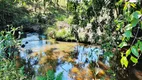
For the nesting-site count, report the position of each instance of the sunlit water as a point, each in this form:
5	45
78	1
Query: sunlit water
34	42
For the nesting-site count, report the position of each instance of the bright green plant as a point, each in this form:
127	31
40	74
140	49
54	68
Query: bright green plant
50	75
8	70
64	34
8	42
130	24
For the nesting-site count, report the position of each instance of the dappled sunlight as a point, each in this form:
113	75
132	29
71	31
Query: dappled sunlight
77	56
70	39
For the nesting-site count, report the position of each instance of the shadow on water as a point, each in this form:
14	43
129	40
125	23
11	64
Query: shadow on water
74	60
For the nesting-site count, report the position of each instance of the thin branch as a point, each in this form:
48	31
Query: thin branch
135	36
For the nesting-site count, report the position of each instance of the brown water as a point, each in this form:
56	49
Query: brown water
76	61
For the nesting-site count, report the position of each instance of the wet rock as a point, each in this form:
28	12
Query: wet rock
26	42
23	45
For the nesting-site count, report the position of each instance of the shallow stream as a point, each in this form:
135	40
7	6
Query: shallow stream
75	60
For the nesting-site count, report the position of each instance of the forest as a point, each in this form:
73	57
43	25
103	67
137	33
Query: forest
70	39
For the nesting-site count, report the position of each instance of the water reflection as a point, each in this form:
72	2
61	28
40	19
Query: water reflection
65	68
83	55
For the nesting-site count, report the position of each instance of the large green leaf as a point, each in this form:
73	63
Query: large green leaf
135	51
136	14
122	44
134	22
124	61
133	59
128	34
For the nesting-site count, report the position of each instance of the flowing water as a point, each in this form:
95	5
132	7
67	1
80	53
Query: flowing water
76	61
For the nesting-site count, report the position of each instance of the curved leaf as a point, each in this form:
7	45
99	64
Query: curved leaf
135	51
133	59
134	22
128	34
122	44
128	52
136	14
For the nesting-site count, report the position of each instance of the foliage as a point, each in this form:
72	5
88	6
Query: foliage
65	34
8	52
129	24
30	12
50	75
10	13
92	11
8	42
8	70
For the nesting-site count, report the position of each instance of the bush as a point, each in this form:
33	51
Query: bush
8	70
64	34
10	13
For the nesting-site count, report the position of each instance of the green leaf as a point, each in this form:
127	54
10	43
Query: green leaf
128	52
133	5
128	34
134	60
125	6
136	14
140	45
41	78
50	75
122	44
120	25
124	61
128	27
134	22
135	51
119	2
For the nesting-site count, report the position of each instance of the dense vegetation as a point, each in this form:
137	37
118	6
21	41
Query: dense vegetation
115	25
